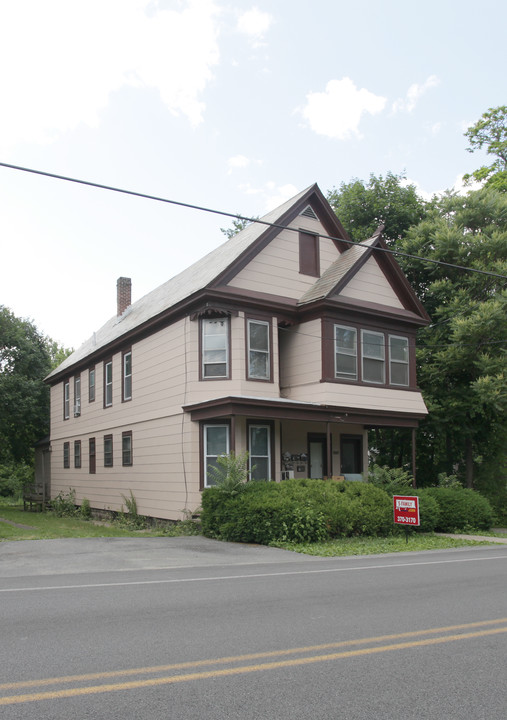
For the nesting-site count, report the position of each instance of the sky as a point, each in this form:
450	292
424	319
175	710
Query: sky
235	106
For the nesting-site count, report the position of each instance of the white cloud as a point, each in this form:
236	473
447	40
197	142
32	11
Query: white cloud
337	112
65	59
238	161
254	23
414	93
271	195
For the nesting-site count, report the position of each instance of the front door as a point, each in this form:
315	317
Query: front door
317	462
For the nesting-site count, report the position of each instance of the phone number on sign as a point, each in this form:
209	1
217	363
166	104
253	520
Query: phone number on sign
410	520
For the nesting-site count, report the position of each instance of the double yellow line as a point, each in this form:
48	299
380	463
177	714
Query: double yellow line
272	661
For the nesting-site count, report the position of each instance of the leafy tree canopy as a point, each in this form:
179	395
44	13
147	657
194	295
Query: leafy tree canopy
26	357
362	207
490	132
238	224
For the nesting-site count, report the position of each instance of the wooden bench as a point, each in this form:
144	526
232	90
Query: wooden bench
34	496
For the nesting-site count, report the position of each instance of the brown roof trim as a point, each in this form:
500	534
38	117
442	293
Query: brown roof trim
286	410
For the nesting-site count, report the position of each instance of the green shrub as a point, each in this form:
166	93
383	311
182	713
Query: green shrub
301	510
64	504
395	481
429	511
461	509
230	473
85	509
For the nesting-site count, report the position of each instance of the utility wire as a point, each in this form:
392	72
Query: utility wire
242	217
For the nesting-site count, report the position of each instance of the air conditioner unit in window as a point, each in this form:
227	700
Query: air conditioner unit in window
77	409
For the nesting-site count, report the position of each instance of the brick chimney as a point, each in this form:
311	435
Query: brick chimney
123	294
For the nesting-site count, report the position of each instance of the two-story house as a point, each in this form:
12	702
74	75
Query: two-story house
286	341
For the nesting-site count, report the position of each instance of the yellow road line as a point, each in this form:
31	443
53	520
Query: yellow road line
151	682
242	658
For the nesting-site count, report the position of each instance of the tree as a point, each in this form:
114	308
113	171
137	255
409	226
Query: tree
490	132
26	357
462	360
238	224
362	207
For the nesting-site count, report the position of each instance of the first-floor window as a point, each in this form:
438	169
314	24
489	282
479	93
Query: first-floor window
66	455
77	453
126	448
91	456
260	452
108	451
216	443
373	357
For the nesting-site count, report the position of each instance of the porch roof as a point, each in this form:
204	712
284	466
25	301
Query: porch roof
284	409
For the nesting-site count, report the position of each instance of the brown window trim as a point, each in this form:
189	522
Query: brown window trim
92	456
127	433
108	361
107	438
66	410
227	376
309	254
126	352
66	455
269	322
91	395
202	425
271	425
328	368
77	453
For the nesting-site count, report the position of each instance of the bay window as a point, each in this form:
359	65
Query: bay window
345	352
373	357
259	458
215	348
258	351
398	360
216	442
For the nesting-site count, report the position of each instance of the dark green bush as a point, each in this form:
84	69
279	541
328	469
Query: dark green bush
429	510
461	509
296	510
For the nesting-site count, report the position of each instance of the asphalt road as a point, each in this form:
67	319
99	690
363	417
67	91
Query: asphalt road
190	628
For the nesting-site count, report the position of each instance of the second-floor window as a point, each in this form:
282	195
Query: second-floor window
108	383
91	385
258	350
127	375
215	348
373	357
398	360
77	395
345	341
66	400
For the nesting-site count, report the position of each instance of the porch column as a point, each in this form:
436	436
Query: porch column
328	450
233	434
414	484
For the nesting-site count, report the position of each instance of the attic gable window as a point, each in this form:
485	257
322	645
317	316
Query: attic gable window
309	256
215	344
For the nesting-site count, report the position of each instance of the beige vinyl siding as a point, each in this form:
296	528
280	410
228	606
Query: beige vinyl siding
301	356
276	268
370	284
362	397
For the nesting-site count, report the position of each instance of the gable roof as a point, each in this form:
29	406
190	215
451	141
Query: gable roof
190	281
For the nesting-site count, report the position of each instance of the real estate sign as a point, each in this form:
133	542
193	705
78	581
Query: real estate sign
406	509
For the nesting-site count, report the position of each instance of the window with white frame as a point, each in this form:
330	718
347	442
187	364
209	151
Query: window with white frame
66	400
108	383
373	357
91	385
77	395
259	457
259	364
215	348
127	375
398	360
345	342
216	443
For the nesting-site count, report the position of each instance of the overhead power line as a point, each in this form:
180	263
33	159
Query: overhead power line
201	208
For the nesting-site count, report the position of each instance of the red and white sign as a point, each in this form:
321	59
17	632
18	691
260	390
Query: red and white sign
406	509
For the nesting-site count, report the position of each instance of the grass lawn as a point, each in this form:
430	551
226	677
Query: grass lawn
378	545
47	525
